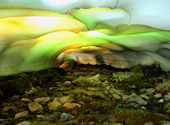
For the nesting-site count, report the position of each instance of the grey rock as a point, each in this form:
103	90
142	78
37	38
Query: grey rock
54	117
66	117
35	107
22	115
138	100
24	123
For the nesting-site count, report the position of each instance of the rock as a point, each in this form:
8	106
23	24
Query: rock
106	123
24	123
105	83
43	100
91	123
160	101
125	98
145	97
33	90
55	103
117	97
121	76
158	96
164	122
149	123
22	115
107	88
65	99
54	117
25	100
67	83
2	120
136	99
15	98
118	92
167	108
65	117
71	105
150	91
133	95
35	107
167	97
91	81
142	90
132	86
41	117
111	119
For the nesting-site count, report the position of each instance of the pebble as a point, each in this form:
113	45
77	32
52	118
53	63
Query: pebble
149	123
22	115
150	91
71	105
157	96
42	100
35	107
25	100
65	117
54	117
55	103
24	123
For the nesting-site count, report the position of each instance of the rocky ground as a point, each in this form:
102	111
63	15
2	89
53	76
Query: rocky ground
86	95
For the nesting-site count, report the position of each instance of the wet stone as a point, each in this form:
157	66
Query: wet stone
35	107
22	115
65	117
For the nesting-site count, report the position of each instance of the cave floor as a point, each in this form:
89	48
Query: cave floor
86	95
